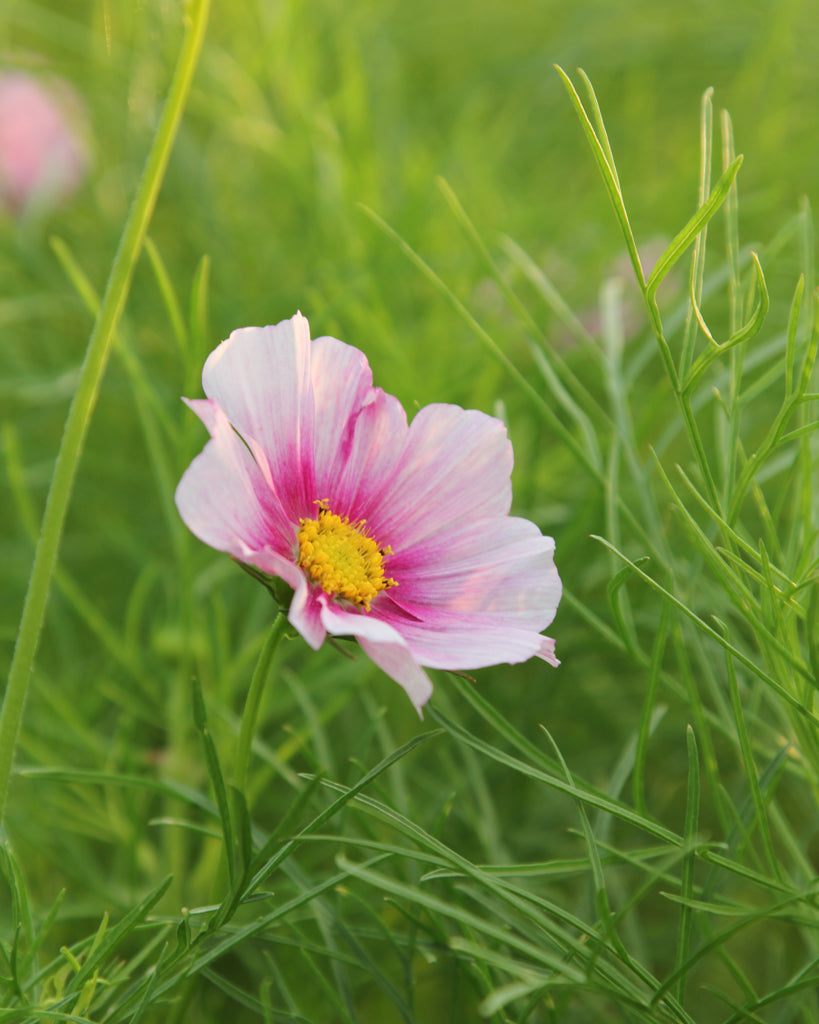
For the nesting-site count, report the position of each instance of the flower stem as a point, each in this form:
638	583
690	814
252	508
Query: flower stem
254	696
85	398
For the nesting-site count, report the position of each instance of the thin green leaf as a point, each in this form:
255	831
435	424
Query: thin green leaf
750	770
262	871
744	334
714	635
697	274
601	150
624	625
217	780
169	297
793	330
647	716
684	238
601	897
692	817
85	397
587	796
106	945
454	911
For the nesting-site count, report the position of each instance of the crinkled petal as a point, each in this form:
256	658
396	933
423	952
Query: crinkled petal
342	385
456	463
366	460
261	377
462	641
304	613
502	565
317	427
547	651
223	497
384	645
399	664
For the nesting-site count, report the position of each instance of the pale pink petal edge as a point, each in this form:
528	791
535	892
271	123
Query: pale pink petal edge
547	651
384	645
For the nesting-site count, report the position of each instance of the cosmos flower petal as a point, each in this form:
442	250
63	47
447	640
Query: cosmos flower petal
451	641
547	651
367	459
342	386
502	565
304	613
455	463
398	663
384	645
222	497
261	378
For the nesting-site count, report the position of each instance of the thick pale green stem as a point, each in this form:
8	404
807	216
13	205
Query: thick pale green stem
254	696
82	406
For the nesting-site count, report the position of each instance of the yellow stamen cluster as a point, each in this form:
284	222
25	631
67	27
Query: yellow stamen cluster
342	557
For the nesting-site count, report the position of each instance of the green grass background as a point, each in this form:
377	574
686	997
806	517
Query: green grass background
302	117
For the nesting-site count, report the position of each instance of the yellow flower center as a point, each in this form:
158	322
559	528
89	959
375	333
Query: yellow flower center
342	557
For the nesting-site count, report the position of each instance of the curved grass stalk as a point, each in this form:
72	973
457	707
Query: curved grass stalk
85	397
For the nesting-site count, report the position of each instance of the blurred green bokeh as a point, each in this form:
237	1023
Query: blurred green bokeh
302	115
302	112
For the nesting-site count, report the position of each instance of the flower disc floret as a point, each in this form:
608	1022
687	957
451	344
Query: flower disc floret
342	557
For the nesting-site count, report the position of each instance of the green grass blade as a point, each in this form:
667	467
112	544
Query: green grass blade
542	406
720	639
687	235
742	335
641	749
82	406
697	274
692	814
169	297
264	869
112	937
761	817
217	780
601	151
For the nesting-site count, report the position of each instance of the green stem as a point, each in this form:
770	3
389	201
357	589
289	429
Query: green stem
254	697
84	401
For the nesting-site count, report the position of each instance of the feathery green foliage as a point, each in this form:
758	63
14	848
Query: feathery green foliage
206	820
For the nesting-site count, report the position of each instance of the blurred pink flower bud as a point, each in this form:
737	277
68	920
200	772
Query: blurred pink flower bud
43	153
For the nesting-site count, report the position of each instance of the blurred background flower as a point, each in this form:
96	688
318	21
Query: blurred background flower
44	155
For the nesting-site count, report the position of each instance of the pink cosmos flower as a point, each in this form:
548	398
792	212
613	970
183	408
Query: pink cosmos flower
395	534
43	156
